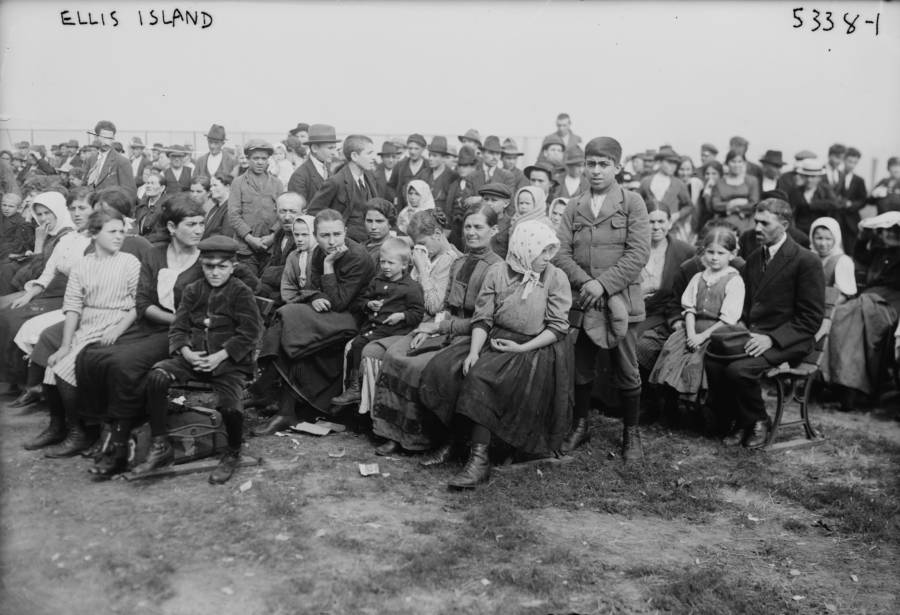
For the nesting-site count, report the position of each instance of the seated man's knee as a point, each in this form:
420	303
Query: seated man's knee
158	379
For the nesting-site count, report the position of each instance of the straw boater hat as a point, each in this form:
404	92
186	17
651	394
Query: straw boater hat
811	167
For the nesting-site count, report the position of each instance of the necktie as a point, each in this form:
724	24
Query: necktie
766	258
95	172
361	185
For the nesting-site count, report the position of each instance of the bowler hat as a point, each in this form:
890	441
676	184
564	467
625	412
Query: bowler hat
667	153
811	167
301	127
773	157
216	133
574	155
467	156
709	147
510	148
438	146
219	244
136	142
540	165
388	149
727	343
416	138
553	139
258	144
497	189
176	150
322	133
472	135
71	143
492	144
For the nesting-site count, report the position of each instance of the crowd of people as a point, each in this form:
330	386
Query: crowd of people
461	304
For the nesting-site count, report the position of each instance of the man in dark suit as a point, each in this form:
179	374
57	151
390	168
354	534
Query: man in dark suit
348	190
853	197
510	160
138	160
384	170
309	176
574	183
789	180
108	168
178	177
216	161
834	170
410	168
783	307
490	171
440	176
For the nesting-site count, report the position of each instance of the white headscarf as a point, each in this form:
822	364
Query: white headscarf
528	240
426	202
56	203
540	205
831	225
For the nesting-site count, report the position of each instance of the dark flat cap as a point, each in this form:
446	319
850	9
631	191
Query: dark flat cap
218	243
497	189
417	138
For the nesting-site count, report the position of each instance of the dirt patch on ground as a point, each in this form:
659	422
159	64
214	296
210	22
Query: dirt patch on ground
697	528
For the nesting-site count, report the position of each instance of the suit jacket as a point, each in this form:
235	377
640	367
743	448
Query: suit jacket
139	176
401	177
823	203
522	181
116	171
226	165
501	175
856	192
786	302
341	193
786	182
440	187
182	184
611	248
381	184
836	188
216	222
747	242
584	185
305	180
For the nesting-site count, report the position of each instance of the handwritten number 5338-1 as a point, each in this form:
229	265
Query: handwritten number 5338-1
824	21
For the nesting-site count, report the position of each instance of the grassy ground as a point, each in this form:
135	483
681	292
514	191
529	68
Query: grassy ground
695	529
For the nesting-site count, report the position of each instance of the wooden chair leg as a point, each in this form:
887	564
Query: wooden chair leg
804	407
780	400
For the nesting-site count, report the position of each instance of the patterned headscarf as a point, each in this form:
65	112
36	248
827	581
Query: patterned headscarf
528	240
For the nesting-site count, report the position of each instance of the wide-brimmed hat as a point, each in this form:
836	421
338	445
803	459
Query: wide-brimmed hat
553	139
388	149
467	156
574	155
667	153
497	189
540	165
472	135
773	157
727	343
492	144
216	133
176	150
136	142
258	144
888	219
510	148
322	133
811	167
438	145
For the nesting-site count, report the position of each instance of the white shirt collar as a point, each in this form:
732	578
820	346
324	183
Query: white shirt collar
773	249
320	166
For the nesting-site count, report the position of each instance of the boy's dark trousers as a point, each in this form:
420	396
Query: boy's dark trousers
227	386
370	332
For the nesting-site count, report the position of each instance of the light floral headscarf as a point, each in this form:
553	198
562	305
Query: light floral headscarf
528	240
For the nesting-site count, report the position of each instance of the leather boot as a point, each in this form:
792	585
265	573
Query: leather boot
31	395
476	471
226	467
161	454
114	461
758	434
581	434
54	433
438	456
353	394
76	441
632	447
278	423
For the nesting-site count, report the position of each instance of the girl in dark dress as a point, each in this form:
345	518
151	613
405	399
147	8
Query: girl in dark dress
517	375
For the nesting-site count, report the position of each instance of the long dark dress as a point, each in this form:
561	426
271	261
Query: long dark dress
398	413
523	398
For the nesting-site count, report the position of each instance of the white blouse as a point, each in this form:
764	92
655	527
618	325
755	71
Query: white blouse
67	253
732	304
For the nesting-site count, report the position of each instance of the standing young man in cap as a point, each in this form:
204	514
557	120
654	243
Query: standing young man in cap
834	171
348	190
852	199
309	176
604	245
459	192
108	168
663	187
490	171
384	169
509	158
440	177
575	183
771	170
301	132
216	161
251	205
708	153
70	157
139	160
564	131
178	177
472	138
410	168
498	196
540	174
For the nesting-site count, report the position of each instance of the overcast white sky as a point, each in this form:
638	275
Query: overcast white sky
647	73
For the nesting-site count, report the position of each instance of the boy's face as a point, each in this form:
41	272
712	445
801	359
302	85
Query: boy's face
835	160
389	160
331	235
415	151
259	161
850	163
216	270
540	179
8	207
465	170
497	203
601	171
365	159
435	160
509	162
392	264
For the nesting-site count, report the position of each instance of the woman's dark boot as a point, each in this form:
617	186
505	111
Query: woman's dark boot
438	456
581	434
161	454
476	471
76	441
353	394
632	447
54	433
31	395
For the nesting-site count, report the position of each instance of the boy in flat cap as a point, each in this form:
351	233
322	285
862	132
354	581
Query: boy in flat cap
389	156
178	176
216	330
459	193
440	175
251	205
410	168
604	245
499	196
